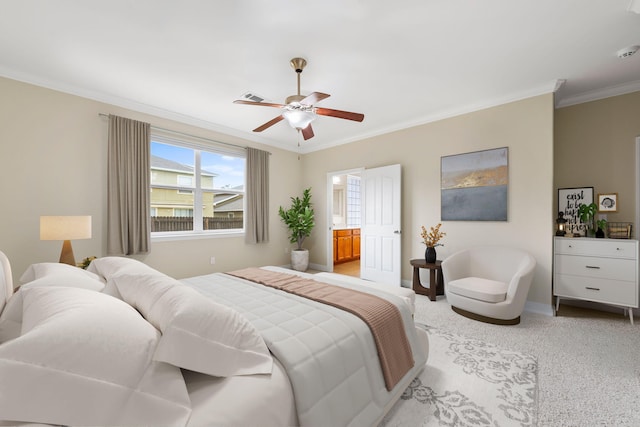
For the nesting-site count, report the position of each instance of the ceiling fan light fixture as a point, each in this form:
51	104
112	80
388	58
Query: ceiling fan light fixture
299	118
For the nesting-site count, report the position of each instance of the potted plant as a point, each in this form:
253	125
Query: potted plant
587	213
299	219
602	225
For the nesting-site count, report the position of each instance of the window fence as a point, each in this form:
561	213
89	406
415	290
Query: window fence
185	223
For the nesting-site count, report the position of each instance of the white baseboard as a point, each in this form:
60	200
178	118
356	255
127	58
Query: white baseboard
538	307
319	267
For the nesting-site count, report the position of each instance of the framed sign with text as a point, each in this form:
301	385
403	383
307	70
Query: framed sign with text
569	201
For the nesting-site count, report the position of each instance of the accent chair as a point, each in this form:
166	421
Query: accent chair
489	283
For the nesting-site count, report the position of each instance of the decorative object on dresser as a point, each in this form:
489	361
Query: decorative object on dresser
608	202
561	224
489	283
619	230
587	213
569	201
601	225
598	270
299	219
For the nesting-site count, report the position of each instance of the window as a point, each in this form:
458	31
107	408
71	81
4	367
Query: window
183	212
196	188
353	201
185	180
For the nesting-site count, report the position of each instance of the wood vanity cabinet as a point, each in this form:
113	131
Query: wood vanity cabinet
356	243
346	245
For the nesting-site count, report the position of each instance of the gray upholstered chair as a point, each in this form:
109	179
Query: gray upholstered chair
489	283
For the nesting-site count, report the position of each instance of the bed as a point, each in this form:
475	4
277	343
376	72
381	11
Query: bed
121	344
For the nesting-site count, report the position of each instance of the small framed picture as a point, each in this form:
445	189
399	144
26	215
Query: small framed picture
608	202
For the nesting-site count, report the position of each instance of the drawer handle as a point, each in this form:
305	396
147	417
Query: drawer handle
592	289
594	267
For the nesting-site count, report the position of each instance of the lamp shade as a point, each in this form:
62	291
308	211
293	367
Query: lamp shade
299	119
65	227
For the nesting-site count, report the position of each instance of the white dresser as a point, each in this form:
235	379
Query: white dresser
600	270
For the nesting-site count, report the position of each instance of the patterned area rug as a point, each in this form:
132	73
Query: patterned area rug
468	382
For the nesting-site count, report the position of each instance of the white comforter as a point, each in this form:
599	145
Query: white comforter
329	355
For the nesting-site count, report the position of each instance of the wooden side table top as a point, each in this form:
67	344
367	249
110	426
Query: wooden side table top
422	263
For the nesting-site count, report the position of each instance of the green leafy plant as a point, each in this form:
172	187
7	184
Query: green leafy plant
587	213
85	262
602	224
299	218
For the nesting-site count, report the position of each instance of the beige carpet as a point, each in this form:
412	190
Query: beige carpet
588	362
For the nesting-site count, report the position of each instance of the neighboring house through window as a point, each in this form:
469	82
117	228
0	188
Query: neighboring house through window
194	187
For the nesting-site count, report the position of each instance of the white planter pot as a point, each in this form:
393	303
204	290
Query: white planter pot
300	259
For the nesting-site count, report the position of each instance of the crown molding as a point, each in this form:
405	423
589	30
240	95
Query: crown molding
595	95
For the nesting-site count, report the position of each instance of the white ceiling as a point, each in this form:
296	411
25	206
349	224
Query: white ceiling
401	63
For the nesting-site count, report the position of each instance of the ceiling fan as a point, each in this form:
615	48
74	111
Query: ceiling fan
299	110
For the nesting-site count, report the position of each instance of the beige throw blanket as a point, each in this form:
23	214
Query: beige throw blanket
382	317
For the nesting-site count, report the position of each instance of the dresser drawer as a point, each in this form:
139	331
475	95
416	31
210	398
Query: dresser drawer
586	288
599	268
596	247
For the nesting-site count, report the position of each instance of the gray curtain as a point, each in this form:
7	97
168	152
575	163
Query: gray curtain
257	193
128	216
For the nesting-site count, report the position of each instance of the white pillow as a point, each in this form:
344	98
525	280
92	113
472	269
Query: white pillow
67	280
111	266
85	358
197	333
11	319
36	271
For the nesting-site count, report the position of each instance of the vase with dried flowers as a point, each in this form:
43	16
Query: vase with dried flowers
430	239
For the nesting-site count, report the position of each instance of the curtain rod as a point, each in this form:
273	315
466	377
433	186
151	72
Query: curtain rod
189	135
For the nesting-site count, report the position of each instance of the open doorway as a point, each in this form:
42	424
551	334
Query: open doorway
344	212
378	233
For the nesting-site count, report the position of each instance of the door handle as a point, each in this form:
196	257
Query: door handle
593	267
397	232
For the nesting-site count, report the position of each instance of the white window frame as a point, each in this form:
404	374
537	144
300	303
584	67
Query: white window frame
198	145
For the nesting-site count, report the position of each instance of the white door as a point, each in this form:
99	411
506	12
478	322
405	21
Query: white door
380	224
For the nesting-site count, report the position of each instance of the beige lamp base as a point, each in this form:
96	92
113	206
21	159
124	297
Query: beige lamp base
66	256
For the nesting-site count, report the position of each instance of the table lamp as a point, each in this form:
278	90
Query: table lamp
65	228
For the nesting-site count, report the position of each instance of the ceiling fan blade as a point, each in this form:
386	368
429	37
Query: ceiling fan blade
268	124
356	117
263	104
314	97
307	133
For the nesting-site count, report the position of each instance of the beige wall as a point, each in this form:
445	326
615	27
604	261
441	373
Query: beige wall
53	150
525	127
595	147
53	162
